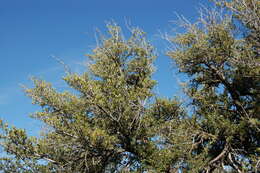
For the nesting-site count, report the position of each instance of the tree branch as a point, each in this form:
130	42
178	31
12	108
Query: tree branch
233	164
224	151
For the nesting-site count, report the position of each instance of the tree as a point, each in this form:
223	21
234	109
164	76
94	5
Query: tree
103	127
114	123
220	53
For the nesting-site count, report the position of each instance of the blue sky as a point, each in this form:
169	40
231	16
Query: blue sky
31	31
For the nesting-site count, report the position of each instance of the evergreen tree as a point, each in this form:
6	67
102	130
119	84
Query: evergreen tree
100	129
221	55
114	122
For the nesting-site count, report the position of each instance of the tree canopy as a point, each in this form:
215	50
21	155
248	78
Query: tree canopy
115	123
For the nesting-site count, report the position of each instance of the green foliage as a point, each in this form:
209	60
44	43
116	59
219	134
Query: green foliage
224	86
114	122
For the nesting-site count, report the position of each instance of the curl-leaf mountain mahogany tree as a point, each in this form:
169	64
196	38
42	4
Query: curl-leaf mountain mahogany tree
104	128
115	123
221	55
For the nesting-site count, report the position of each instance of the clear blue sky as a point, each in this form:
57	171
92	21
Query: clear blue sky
33	30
